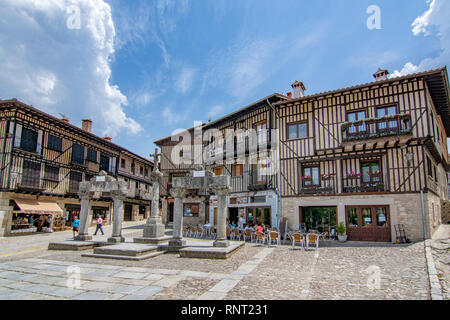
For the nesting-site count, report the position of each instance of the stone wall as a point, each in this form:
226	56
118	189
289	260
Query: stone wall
403	208
446	212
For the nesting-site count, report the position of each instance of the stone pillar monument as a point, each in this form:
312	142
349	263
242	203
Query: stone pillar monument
154	229
85	195
118	197
177	240
221	193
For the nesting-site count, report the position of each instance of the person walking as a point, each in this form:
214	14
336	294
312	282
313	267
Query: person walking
99	226
76	224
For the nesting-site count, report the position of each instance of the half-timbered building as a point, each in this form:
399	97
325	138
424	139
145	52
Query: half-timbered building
43	159
372	156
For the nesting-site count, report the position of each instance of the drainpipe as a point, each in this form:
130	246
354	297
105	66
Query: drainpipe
277	190
423	216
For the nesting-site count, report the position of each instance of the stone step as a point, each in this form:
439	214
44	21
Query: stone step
120	257
126	249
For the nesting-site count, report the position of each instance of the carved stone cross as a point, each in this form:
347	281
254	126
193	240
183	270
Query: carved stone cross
155	157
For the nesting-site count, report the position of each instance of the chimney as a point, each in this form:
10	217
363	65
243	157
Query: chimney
107	138
289	95
65	119
381	74
299	89
86	125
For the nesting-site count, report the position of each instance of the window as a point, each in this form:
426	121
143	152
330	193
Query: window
77	154
146	172
384	112
237	170
51	173
133	168
366	215
88	177
261	173
122	163
31	173
371	172
298	131
218	171
356	116
261	133
54	143
141	170
258	199
74	182
29	140
91	155
191	210
104	163
311	176
352	217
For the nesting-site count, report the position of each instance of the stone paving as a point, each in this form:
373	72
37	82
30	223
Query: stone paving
255	272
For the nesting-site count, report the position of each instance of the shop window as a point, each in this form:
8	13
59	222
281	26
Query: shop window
366	215
54	143
51	173
381	216
352	217
191	210
77	154
298	131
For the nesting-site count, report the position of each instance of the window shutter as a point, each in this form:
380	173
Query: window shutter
39	142
18	138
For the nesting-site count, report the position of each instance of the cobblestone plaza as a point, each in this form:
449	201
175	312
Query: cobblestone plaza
353	270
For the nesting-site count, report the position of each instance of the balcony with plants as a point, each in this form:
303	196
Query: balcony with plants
324	185
374	128
368	182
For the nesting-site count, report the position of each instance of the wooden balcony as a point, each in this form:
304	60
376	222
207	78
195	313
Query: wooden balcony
377	128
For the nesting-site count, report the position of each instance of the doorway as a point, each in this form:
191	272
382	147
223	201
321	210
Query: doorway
233	215
127	212
368	223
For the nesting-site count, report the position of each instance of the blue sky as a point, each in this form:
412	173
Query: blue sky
161	65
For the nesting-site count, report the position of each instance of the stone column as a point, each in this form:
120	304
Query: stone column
5	216
83	234
147	212
178	194
154	228
221	193
118	198
164	210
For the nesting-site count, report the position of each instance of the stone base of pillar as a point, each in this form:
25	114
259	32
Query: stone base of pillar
82	237
221	243
157	241
176	244
116	239
154	228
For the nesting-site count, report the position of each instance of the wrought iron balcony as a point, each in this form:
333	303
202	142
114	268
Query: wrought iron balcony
394	125
356	184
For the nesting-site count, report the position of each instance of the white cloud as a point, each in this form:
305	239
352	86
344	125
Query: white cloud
435	18
185	79
172	117
62	70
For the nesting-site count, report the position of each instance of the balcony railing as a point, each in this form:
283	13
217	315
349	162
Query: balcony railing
326	185
377	128
356	184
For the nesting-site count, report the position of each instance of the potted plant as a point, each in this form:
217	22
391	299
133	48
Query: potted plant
341	230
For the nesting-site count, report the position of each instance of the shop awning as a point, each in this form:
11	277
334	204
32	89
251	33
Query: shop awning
38	206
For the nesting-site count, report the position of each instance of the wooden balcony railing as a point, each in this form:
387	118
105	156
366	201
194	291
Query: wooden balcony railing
356	184
377	128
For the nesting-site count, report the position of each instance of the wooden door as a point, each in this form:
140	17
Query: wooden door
368	223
